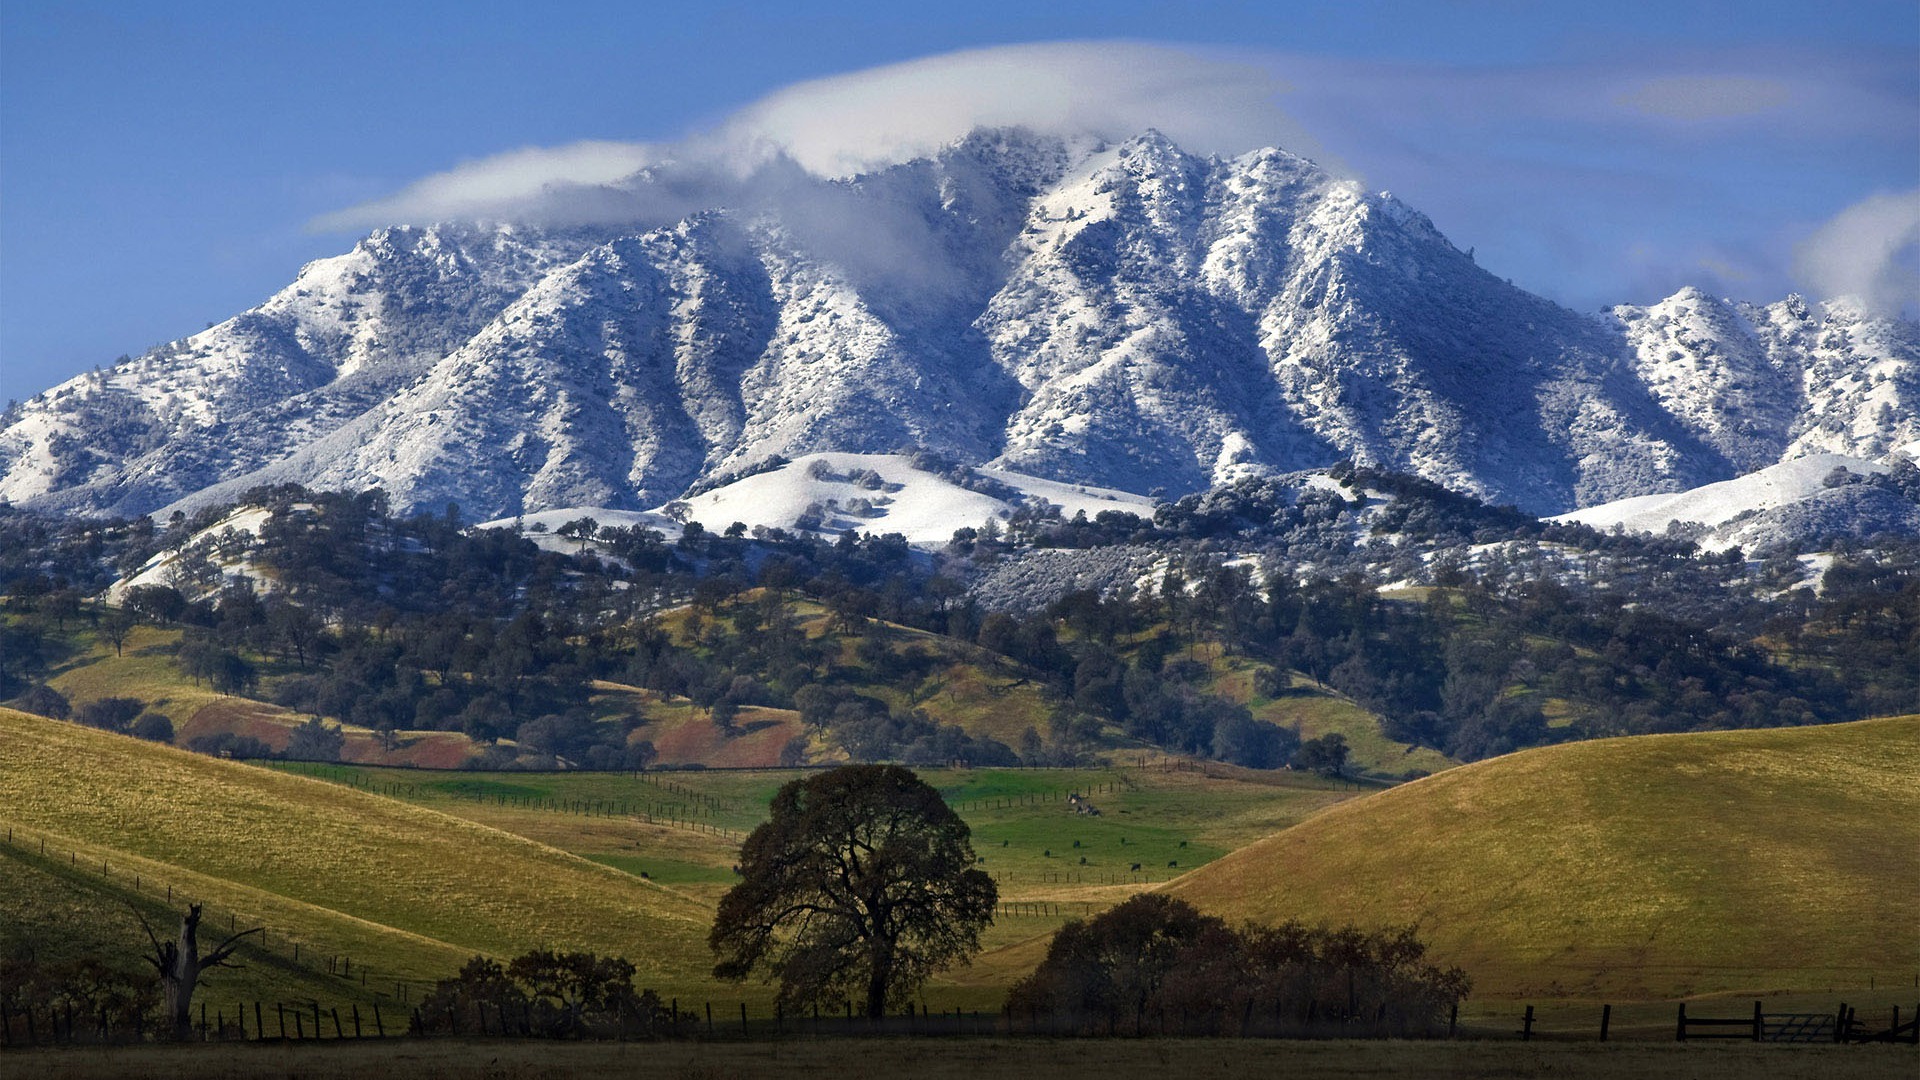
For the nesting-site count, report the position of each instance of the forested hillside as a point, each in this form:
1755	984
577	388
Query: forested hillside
1253	625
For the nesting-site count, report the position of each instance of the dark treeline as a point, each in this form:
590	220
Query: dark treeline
1156	964
545	994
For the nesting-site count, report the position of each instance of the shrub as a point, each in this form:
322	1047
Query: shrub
153	727
45	701
110	713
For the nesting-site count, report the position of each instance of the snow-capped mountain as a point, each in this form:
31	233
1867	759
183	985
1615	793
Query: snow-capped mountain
1129	316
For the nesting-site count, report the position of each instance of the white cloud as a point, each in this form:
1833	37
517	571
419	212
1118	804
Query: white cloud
490	185
1551	170
1870	251
1206	101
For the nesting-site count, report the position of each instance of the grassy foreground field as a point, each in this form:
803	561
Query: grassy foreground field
409	872
1749	864
402	887
1643	868
973	1059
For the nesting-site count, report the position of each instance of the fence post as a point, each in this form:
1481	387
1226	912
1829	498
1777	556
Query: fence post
1526	1026
259	1029
356	1020
316	1018
336	1023
379	1026
1757	1022
1606	1017
1681	1031
743	1019
709	1018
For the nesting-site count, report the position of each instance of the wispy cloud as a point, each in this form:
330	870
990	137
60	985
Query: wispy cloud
1870	251
1707	97
499	185
1205	100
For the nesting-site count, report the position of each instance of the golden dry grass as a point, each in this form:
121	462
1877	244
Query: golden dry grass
1648	867
1317	711
279	839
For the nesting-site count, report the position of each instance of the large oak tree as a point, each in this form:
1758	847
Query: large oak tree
860	886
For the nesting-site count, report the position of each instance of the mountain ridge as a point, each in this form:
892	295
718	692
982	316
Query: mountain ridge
1126	315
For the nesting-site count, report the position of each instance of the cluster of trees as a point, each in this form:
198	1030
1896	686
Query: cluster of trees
1155	963
548	994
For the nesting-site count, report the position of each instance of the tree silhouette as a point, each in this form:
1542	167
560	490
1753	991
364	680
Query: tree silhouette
860	886
180	966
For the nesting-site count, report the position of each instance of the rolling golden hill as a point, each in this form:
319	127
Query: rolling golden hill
1647	867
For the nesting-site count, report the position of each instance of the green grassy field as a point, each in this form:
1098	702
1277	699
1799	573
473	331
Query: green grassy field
1023	826
1643	868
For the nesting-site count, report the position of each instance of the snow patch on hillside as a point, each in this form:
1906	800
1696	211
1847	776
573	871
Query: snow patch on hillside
1715	505
831	493
165	567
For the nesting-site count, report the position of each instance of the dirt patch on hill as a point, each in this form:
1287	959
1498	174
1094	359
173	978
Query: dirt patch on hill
761	733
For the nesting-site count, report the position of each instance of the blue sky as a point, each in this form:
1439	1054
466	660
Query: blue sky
164	166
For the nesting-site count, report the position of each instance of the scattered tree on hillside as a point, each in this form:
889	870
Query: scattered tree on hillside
1326	754
859	887
315	740
116	626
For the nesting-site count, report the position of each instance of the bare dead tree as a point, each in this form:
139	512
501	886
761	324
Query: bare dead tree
180	965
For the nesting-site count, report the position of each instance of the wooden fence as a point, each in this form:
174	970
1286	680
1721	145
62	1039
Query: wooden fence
1843	1025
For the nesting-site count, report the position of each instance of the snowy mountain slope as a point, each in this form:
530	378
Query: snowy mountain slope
318	354
1762	384
1129	316
1774	505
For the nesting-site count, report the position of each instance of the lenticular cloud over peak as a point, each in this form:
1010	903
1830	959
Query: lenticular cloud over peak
1207	101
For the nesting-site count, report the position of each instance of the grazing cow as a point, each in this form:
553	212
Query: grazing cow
1173	862
1135	867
